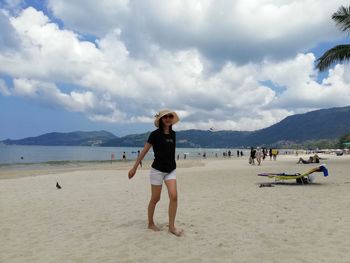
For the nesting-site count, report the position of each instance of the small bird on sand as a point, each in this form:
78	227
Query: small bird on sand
58	186
266	185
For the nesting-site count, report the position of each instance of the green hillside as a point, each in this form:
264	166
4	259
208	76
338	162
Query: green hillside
326	124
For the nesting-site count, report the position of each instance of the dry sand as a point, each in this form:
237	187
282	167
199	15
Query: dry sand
101	216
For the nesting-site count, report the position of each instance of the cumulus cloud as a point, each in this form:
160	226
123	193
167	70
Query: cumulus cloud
236	30
95	107
95	18
173	67
299	78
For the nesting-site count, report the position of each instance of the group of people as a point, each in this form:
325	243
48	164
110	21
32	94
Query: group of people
225	154
260	154
123	157
229	153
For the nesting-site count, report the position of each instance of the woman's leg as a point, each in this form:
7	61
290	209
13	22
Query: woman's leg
172	192
156	191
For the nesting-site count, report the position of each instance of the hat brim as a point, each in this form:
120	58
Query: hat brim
162	114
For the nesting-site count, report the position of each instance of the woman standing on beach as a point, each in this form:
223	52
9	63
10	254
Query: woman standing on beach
163	141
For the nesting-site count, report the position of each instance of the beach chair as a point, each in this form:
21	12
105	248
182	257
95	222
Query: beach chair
300	178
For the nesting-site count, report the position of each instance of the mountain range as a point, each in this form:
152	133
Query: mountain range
325	124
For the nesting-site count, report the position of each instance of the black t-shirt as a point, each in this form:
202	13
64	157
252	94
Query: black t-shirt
253	153
164	150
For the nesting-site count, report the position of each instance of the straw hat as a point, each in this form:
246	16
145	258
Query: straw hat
162	113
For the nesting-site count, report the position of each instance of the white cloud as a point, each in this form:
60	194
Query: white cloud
298	77
48	93
94	17
95	107
110	84
239	30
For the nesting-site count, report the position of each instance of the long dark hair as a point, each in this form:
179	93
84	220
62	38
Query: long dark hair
162	128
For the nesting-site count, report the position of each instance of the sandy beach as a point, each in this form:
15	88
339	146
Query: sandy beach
100	216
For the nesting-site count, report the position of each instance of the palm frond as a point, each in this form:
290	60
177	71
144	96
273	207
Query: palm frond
342	18
338	54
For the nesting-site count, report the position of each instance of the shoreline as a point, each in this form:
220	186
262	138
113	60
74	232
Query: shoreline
13	171
18	170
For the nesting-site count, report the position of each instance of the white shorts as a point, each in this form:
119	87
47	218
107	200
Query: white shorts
157	177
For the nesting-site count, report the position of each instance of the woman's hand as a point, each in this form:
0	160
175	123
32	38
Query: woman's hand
131	173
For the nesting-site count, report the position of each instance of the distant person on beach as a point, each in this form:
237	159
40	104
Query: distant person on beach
274	153
112	157
252	156
270	154
312	159
124	156
138	155
163	141
258	155
237	153
264	151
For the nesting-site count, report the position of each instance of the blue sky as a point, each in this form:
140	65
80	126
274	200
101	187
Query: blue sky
111	65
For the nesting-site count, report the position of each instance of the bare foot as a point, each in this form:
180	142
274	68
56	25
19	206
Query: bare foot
176	232
153	227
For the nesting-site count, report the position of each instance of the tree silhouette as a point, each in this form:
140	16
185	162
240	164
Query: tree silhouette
339	53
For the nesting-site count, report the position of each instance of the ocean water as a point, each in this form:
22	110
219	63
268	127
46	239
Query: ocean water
17	154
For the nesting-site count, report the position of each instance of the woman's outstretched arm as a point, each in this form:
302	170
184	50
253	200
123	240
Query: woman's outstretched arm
145	150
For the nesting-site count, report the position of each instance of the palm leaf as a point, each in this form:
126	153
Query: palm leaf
342	18
339	53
